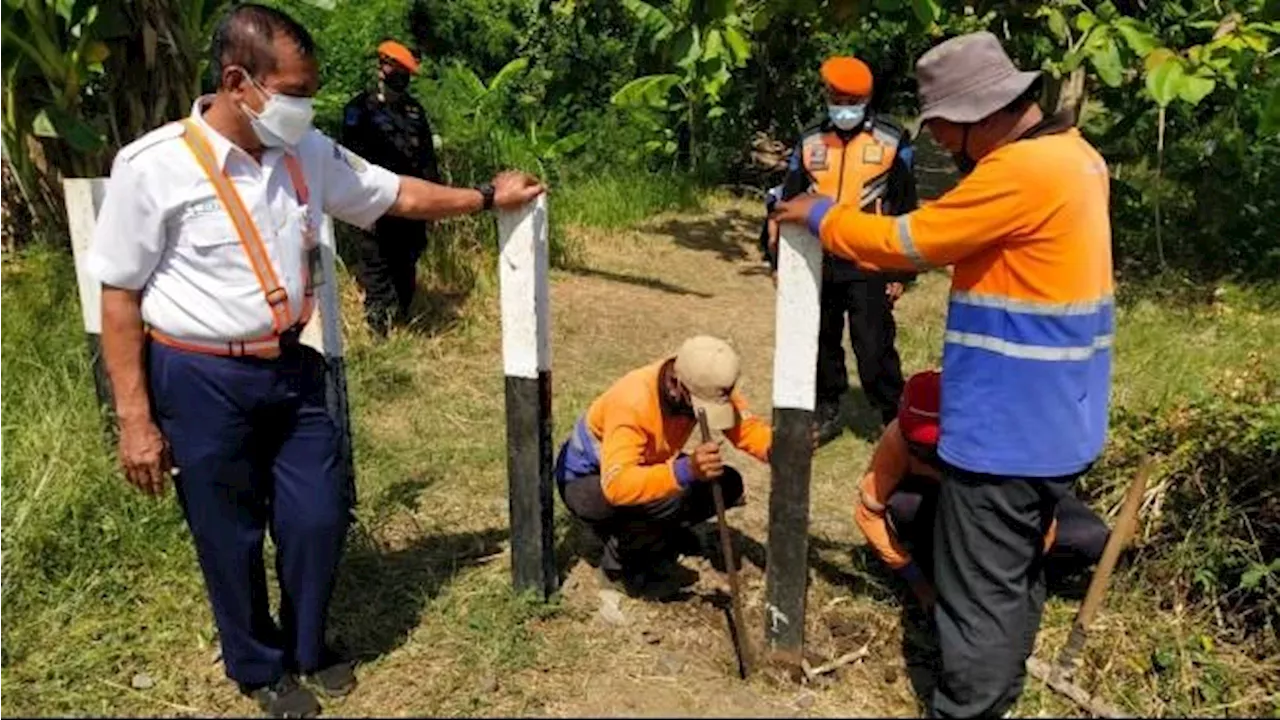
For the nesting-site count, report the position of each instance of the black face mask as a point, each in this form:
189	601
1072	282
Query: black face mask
397	81
675	408
964	163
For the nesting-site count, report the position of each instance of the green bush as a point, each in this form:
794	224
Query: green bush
1212	511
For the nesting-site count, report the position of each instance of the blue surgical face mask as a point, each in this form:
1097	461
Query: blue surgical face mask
847	117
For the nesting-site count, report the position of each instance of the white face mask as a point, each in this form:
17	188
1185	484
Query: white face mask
284	120
847	117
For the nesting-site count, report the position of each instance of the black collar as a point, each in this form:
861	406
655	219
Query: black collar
1051	125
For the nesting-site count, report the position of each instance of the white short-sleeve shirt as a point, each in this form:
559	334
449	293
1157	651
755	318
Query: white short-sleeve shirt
162	229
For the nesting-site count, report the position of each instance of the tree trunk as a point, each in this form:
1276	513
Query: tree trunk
1072	95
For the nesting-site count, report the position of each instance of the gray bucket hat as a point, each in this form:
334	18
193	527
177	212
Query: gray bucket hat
967	78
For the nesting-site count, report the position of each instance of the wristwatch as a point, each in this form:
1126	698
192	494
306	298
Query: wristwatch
487	191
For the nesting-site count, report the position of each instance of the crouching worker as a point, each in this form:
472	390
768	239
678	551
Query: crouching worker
623	474
899	495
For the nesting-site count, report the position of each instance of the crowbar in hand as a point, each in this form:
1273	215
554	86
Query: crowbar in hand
736	631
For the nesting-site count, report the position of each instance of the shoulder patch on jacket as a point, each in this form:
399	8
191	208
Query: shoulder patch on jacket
815	130
155	138
886	132
353	161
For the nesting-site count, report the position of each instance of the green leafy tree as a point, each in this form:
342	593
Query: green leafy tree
700	43
81	78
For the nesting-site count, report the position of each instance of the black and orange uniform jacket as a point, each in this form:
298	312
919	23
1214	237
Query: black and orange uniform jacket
868	168
392	133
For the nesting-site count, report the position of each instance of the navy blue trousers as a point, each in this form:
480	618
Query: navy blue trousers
256	450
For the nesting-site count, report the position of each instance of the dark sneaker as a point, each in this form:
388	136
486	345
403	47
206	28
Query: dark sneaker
662	580
335	680
687	541
830	424
285	698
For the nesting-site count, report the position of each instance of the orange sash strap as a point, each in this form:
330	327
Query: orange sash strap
274	293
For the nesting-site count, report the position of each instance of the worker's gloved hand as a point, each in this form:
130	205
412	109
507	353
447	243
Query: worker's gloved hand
924	591
512	188
795	210
894	291
707	463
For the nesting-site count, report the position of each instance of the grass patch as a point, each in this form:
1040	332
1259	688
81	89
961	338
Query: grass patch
622	199
95	577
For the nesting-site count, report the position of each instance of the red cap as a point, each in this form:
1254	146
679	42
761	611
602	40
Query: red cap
918	411
847	75
400	54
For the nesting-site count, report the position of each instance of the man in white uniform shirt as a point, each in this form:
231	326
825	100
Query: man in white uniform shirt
205	248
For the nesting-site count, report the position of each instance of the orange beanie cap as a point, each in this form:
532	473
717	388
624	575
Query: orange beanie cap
400	54
847	75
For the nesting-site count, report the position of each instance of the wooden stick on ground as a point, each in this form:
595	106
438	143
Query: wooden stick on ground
1058	675
1094	705
846	659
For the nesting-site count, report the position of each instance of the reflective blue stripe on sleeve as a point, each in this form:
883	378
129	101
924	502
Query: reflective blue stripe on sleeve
818	213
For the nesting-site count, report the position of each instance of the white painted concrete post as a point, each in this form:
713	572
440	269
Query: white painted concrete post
794	388
524	264
83	198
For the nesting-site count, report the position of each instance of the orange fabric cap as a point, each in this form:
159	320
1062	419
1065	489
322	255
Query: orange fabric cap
847	75
400	54
918	411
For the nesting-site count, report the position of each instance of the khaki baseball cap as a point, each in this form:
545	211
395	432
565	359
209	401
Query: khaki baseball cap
709	367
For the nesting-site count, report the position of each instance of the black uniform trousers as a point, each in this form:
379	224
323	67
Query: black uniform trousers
257	452
872	333
388	269
988	558
634	536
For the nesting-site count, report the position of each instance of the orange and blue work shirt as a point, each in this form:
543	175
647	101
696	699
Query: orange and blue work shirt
1027	357
626	443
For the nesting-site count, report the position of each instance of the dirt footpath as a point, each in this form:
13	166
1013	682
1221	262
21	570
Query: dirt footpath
639	294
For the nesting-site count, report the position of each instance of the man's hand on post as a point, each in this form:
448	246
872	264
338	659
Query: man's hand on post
707	463
144	455
795	210
512	188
